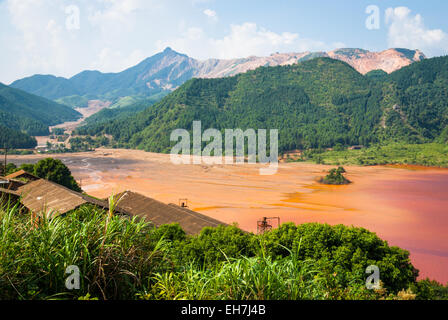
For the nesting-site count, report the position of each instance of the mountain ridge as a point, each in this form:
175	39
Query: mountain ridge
320	103
167	70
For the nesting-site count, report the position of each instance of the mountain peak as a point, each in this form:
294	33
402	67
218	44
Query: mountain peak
169	69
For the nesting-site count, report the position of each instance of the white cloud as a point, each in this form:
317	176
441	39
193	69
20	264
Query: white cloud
119	16
211	14
409	31
42	45
243	40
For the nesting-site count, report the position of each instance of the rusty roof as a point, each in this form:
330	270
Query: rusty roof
43	196
22	174
159	213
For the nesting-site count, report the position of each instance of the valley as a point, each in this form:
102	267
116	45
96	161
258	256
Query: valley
94	106
326	111
200	151
404	205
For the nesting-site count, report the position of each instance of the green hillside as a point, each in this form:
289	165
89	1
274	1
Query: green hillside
30	114
315	104
423	96
47	86
15	139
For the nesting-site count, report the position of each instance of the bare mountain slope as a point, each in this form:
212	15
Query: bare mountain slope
169	69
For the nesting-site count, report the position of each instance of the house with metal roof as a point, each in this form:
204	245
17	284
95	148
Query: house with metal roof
159	213
22	174
43	197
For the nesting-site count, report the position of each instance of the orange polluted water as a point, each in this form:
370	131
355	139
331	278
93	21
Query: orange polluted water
408	208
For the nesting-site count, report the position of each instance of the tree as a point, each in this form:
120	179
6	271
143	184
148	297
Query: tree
56	171
335	177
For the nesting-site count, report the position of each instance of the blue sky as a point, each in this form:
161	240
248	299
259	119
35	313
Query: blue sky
64	37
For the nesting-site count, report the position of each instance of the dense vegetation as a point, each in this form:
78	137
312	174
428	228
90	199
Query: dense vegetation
428	154
335	177
25	107
15	139
50	169
316	104
300	100
27	115
120	258
74	101
84	144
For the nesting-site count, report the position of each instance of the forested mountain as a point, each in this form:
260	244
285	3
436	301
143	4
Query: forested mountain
15	139
30	115
47	86
315	104
166	71
162	72
422	97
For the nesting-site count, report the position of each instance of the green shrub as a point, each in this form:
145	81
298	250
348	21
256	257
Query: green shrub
344	251
213	245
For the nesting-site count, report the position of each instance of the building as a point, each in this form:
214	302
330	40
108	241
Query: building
159	213
22	174
43	197
10	184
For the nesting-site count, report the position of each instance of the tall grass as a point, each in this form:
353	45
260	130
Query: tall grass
256	278
114	261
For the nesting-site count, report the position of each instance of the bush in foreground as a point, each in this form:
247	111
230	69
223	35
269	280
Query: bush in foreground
120	258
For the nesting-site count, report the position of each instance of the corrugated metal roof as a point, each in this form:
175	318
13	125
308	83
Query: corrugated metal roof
160	213
43	196
22	174
10	184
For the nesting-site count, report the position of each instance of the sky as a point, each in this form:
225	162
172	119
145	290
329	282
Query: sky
65	37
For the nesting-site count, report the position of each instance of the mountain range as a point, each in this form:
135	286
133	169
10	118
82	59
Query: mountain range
167	70
318	103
